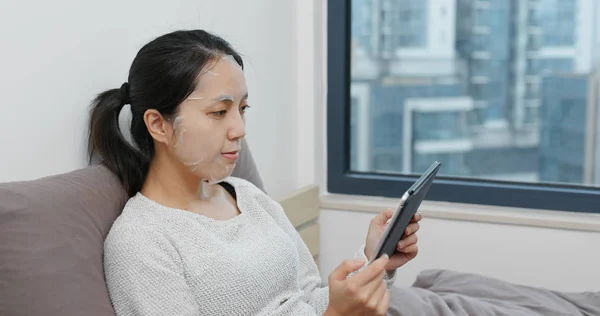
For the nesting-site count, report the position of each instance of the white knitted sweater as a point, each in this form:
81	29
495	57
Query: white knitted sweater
165	261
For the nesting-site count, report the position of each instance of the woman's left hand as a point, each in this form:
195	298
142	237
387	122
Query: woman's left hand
407	248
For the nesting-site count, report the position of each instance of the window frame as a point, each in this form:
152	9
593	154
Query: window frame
342	180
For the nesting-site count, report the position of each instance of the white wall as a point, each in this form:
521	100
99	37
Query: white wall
57	55
552	258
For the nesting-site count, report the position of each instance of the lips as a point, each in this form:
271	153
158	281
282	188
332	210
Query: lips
231	155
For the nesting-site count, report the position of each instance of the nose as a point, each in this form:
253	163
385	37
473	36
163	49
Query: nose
237	129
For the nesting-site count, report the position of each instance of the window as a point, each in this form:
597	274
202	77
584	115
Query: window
558	22
449	125
531	90
481	42
531	115
353	133
452	161
411	23
556	65
514	139
533	66
406	15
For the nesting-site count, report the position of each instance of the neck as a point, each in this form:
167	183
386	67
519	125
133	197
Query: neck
173	185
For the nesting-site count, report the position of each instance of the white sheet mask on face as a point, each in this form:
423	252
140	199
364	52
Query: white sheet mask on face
217	175
188	147
232	60
200	138
178	131
225	97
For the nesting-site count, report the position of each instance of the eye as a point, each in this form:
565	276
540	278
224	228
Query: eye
244	108
219	113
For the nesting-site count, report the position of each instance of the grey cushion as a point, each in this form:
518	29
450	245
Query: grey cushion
51	240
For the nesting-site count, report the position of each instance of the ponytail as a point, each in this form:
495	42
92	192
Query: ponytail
106	141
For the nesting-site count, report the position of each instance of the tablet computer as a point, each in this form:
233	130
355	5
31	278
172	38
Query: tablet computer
407	207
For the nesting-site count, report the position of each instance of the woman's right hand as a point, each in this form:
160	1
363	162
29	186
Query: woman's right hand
365	293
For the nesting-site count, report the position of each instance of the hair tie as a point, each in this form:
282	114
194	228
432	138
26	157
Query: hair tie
124	90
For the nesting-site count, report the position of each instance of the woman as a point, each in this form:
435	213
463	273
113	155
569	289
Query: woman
191	239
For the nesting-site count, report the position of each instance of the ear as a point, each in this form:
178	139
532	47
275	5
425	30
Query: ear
158	127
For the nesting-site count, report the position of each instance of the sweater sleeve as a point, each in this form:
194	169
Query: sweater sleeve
309	278
144	275
389	277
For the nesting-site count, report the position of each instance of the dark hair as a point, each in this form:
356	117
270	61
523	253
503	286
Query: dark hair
164	72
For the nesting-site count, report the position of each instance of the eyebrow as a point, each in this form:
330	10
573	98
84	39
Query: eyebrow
224	97
228	97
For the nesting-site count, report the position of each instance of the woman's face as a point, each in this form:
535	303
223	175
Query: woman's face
210	126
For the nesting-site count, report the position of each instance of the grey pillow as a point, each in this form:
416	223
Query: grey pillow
51	239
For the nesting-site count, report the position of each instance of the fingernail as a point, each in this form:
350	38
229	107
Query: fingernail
401	245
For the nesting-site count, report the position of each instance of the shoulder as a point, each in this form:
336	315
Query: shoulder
135	231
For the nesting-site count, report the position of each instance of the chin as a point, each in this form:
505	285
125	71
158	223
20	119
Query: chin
214	178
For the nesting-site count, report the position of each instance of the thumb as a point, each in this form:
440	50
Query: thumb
384	216
346	267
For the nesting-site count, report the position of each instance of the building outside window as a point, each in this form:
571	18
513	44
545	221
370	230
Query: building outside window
498	91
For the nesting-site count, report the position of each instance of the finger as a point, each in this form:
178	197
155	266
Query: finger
411	229
378	294
346	267
388	213
384	304
417	217
407	241
372	271
372	287
410	249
